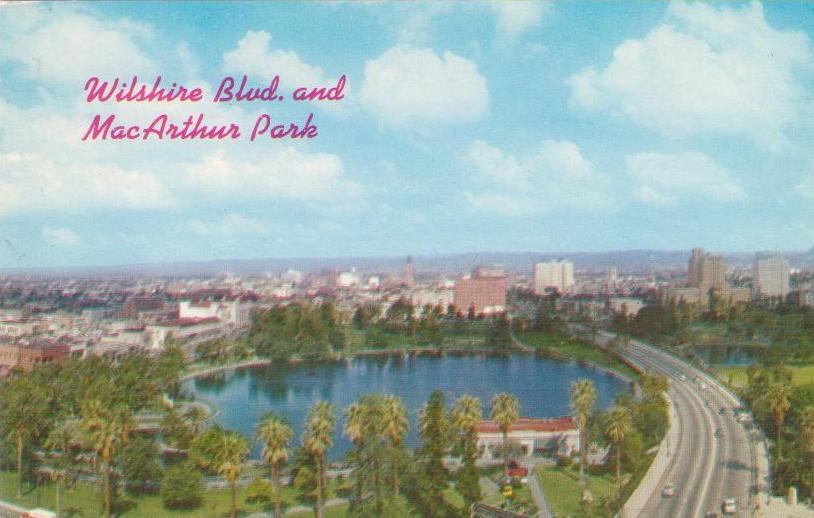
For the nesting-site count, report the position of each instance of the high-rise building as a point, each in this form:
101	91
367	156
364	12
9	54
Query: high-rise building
771	276
694	269
706	272
557	274
484	290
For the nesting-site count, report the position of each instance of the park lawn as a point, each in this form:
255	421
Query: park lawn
576	350
736	376
521	500
563	492
84	500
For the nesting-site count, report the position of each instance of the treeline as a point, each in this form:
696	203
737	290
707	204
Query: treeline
296	330
79	417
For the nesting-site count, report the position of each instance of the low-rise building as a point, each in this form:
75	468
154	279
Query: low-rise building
558	436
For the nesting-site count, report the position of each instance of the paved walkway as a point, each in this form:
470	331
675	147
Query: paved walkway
778	508
536	489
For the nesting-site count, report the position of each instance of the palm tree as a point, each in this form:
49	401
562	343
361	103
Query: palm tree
233	449
275	434
62	440
777	399
317	439
23	412
196	415
466	414
356	429
583	399
394	427
505	411
617	427
105	430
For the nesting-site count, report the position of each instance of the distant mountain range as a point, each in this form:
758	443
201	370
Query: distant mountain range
627	261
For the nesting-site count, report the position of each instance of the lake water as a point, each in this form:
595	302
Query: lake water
728	355
542	385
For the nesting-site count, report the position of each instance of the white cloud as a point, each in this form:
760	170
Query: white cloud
515	18
287	173
33	182
667	179
60	236
72	46
416	88
555	175
230	225
705	70
255	57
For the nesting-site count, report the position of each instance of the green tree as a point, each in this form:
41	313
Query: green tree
583	399
224	452
466	414
395	426
275	435
141	469
505	411
617	427
62	443
181	487
777	399
106	429
195	415
23	414
807	436
317	439
434	427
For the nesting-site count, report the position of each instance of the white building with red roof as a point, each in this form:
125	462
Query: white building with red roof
558	436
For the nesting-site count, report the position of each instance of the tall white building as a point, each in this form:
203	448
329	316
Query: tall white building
557	274
771	276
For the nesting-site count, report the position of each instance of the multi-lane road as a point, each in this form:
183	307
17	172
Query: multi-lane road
709	455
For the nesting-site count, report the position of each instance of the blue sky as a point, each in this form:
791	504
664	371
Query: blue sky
513	126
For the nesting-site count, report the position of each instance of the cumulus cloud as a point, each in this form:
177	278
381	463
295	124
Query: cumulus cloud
707	69
33	182
555	175
515	18
667	179
69	48
255	56
60	236
417	88
284	174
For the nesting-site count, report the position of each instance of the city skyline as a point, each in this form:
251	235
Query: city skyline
567	131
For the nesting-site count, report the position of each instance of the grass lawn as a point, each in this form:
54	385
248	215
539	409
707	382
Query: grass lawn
562	489
800	375
575	349
84	501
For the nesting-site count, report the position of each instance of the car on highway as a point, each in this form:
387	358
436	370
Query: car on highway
729	506
668	491
719	433
712	514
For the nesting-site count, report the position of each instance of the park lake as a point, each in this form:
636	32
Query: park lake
242	396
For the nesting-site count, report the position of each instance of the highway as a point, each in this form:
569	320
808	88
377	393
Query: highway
711	457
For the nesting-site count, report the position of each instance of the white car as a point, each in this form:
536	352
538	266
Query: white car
729	506
668	491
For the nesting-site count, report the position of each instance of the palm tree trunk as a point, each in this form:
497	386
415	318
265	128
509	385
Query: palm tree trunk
505	454
234	497
777	431
106	488
275	480
618	469
318	510
582	456
19	464
59	500
395	494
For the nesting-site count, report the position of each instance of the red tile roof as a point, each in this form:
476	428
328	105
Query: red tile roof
525	424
